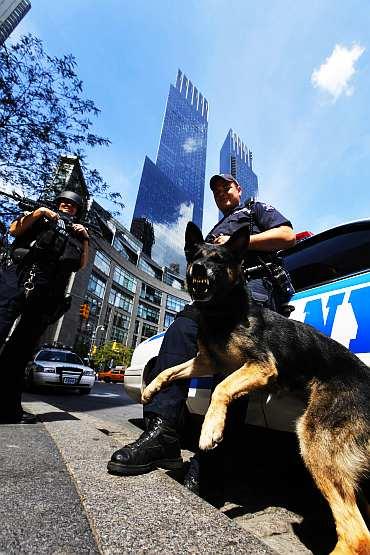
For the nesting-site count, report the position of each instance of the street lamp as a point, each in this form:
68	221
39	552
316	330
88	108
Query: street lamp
93	337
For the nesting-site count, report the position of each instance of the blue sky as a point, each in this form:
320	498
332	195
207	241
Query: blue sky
291	78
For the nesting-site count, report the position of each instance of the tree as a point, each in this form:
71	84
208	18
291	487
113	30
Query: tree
43	114
112	351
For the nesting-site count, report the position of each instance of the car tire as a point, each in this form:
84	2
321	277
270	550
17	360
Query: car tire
84	391
107	380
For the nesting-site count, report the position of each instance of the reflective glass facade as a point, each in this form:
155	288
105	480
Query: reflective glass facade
96	286
235	158
169	210
124	278
173	303
102	262
11	14
171	190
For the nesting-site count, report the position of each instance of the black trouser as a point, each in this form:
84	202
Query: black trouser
11	301
179	345
13	360
17	351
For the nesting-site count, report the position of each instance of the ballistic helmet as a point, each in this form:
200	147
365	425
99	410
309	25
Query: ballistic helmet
72	196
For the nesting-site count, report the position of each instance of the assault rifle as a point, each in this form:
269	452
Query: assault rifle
27	204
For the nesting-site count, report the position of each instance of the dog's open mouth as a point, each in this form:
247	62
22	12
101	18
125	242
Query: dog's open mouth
198	283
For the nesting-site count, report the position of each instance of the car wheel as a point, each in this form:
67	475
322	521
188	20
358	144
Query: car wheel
84	391
107	380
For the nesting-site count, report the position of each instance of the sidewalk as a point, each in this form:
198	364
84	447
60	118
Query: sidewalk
40	508
57	497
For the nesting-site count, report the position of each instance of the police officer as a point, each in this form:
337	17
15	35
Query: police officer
49	245
159	445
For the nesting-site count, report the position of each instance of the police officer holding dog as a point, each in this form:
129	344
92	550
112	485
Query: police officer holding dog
49	245
159	445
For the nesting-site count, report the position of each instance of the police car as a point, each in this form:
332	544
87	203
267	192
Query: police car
59	367
331	275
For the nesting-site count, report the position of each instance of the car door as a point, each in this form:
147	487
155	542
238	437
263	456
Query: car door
331	274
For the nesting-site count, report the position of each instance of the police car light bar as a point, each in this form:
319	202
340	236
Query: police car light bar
303	235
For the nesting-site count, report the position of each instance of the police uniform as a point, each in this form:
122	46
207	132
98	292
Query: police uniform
259	217
180	341
32	286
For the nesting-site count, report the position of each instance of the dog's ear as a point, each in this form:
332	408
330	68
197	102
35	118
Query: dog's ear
193	237
239	242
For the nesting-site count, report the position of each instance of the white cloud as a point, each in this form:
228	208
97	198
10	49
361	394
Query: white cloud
335	74
191	145
170	240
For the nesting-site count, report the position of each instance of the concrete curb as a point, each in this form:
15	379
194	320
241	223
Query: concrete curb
143	514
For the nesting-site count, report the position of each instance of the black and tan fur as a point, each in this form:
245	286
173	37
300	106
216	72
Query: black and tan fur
254	347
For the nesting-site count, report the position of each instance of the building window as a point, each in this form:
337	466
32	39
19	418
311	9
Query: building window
168	319
174	282
120	326
124	278
124	250
102	262
120	300
149	293
148	331
148	269
95	306
148	313
173	303
96	286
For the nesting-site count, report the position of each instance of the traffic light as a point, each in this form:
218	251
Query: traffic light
114	345
93	350
84	311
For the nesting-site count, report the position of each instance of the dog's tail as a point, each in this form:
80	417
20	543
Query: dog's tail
338	457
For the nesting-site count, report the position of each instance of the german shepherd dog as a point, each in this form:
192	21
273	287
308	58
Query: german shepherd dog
254	347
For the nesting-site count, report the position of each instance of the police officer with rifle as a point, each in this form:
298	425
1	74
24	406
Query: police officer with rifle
49	245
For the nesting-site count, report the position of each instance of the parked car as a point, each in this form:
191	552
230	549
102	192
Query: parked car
116	374
331	275
53	367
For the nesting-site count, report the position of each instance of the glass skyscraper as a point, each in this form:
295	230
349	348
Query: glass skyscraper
236	159
171	190
11	13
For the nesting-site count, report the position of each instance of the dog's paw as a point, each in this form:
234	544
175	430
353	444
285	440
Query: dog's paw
146	395
211	435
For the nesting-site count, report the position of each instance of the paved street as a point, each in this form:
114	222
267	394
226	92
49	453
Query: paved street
261	486
108	401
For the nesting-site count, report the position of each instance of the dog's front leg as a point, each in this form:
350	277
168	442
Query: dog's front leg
197	366
252	375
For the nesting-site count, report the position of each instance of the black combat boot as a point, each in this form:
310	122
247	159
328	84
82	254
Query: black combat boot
158	446
192	476
18	418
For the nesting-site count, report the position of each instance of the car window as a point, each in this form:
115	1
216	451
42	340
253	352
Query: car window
343	252
58	356
73	359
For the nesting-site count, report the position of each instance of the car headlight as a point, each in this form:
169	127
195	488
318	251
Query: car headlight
46	369
88	373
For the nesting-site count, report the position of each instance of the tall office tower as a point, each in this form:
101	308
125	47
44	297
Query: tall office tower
11	13
236	159
171	191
